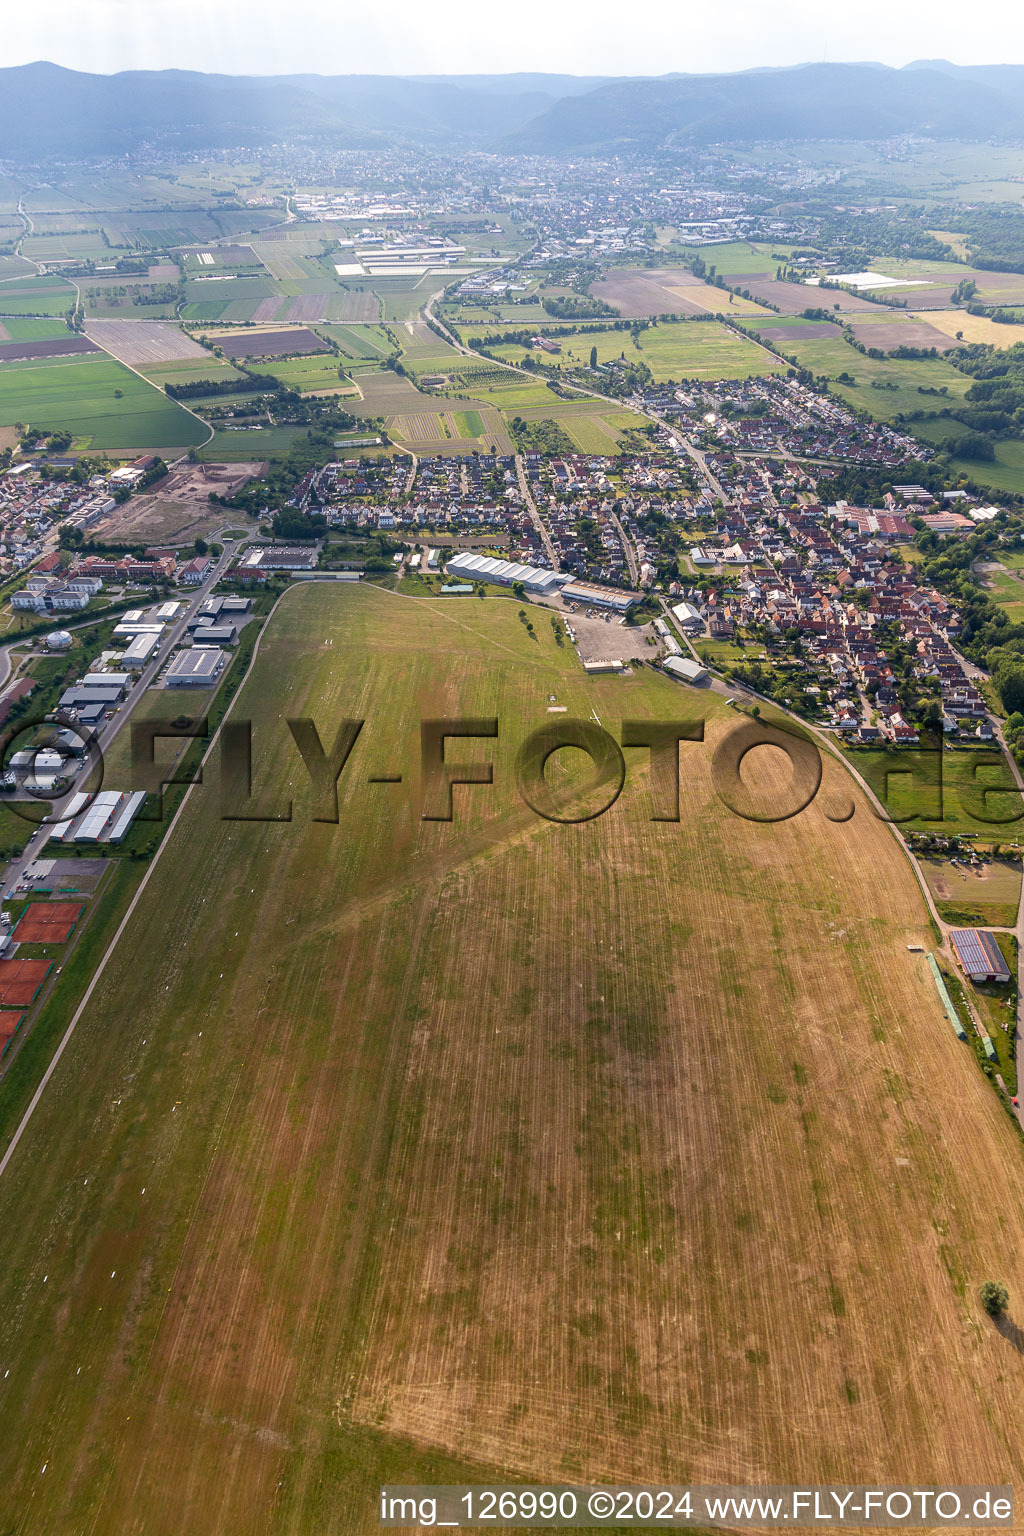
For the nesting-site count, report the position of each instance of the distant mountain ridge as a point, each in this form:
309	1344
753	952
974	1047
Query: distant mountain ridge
808	101
49	112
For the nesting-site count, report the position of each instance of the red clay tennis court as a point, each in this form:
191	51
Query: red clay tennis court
20	980
9	1021
48	922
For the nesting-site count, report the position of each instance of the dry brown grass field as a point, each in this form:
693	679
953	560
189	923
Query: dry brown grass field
402	1149
636	291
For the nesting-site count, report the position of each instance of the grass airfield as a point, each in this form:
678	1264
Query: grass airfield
415	1151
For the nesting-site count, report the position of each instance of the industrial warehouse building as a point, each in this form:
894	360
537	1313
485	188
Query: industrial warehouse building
278	557
505	573
103	819
600	597
140	652
682	667
197	668
979	954
215	634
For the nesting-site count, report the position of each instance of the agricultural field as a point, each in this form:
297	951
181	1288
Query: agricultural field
36	296
592	425
79	393
294	342
702	350
684	349
908	379
146	344
190	371
957	323
432	1178
1006	473
14	330
39	339
736	259
307	374
641	292
894	329
460	430
360	343
239	444
356	305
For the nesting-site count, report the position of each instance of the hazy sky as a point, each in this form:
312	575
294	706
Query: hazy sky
453	36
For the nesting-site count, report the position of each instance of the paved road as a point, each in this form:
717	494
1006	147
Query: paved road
627	548
695	453
538	521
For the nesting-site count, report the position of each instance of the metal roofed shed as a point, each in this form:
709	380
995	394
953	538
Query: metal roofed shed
685	669
979	954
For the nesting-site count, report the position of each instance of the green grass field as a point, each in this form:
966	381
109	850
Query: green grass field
737	257
693	349
909	377
249	443
319	371
391	1146
469	423
79	393
1007	590
32	330
955	791
36	296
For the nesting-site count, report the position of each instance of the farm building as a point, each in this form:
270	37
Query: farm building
505	573
682	667
600	597
197	668
979	954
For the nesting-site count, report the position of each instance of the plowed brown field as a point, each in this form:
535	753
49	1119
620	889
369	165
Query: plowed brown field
628	1149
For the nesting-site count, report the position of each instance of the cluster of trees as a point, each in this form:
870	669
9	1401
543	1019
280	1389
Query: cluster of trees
544	436
577	307
993	407
197	389
995	234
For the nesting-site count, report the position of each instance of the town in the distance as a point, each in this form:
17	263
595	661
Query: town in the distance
442	1144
